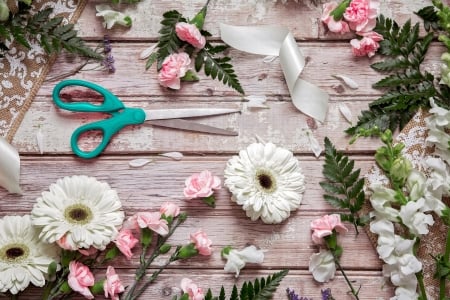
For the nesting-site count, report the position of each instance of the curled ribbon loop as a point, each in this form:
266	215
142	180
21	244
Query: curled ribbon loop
9	167
279	41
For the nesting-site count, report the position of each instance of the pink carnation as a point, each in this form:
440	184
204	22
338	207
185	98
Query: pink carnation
368	45
80	279
153	221
201	185
324	227
125	241
190	288
361	14
174	67
169	209
333	25
202	242
190	33
112	285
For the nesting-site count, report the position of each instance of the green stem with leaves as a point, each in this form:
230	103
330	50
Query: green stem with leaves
446	257
349	283
142	270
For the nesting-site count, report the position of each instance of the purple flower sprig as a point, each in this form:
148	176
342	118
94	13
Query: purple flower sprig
326	295
108	61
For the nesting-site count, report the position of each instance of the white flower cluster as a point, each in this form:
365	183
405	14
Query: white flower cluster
424	195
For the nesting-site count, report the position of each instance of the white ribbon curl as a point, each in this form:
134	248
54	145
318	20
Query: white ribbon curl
9	167
279	41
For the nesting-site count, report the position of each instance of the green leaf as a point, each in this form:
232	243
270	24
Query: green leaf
168	40
406	87
343	187
218	68
151	60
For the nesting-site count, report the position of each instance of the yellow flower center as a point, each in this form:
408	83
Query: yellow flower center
266	181
78	214
14	253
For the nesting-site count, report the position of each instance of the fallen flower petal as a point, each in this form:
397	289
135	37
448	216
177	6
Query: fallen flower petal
112	17
345	111
348	81
173	155
236	260
147	52
139	162
256	101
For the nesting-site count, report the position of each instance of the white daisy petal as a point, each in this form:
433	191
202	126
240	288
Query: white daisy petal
80	209
266	180
24	259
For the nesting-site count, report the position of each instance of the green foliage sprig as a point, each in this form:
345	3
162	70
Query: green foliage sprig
407	87
50	32
260	289
210	58
344	187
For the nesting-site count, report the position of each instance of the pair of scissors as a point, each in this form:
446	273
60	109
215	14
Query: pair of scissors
122	116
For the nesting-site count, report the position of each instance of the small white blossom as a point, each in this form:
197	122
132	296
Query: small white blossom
236	259
322	266
416	184
112	17
416	221
381	200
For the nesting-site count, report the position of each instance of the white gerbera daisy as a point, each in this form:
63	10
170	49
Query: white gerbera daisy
266	180
78	212
23	257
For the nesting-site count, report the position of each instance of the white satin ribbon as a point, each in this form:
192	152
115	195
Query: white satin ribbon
9	167
279	41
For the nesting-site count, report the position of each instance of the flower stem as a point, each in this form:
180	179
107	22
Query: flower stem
352	289
142	270
423	294
446	258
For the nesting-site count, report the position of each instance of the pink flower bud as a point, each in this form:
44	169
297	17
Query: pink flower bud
112	286
80	279
125	241
169	209
202	243
190	33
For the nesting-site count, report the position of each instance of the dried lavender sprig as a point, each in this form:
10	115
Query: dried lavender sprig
108	62
326	294
293	296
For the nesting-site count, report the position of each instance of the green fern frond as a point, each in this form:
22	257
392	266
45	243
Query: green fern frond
407	88
430	18
259	289
168	40
344	188
49	32
218	68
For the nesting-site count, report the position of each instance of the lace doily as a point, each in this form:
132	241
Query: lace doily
413	136
23	70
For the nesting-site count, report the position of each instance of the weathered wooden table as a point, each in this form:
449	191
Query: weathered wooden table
289	244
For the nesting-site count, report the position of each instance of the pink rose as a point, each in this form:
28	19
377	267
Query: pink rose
333	25
361	15
190	288
201	185
202	243
80	279
112	286
190	33
153	221
324	227
169	209
173	68
125	241
368	45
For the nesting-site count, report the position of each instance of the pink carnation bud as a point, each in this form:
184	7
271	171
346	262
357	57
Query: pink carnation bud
125	241
190	33
169	209
202	242
112	286
80	279
200	185
324	227
190	288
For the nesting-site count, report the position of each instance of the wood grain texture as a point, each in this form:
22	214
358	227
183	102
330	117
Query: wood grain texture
288	245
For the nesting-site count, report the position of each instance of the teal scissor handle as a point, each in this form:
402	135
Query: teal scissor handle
110	102
121	116
108	127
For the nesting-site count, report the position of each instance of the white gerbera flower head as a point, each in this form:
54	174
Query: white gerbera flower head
266	180
78	212
24	258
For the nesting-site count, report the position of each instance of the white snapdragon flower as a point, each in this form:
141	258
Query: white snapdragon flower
236	259
436	124
414	218
416	184
381	200
112	17
322	266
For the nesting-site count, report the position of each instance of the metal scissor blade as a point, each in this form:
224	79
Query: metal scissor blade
176	113
192	126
